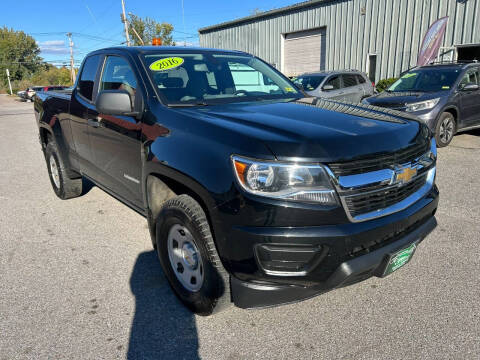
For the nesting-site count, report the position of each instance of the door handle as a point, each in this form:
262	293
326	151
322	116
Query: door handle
93	123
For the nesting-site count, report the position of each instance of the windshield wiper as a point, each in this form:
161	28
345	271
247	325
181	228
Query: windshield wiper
200	103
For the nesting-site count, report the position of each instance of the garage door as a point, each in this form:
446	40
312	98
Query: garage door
304	52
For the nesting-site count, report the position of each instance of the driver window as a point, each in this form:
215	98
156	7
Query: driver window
118	75
335	82
470	77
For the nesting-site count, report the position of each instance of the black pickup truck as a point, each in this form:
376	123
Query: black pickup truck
254	193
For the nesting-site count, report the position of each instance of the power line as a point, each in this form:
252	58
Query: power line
88	36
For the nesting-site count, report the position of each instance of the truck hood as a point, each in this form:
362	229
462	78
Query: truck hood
398	100
316	129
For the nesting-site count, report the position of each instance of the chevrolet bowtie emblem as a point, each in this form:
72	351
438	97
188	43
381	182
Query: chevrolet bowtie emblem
404	174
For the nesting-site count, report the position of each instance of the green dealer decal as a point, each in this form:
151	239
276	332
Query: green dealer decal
166	64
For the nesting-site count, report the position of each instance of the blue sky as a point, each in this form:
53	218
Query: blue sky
96	23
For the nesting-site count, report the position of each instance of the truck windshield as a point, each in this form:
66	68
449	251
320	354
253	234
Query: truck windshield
426	80
209	78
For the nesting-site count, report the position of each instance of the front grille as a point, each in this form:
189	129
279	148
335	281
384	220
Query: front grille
393	106
379	161
364	203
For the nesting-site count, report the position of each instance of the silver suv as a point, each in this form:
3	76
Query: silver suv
346	85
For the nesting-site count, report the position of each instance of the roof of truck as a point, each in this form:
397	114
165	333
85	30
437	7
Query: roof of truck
144	49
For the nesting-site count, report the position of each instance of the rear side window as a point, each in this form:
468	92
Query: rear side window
335	82
87	78
349	80
361	79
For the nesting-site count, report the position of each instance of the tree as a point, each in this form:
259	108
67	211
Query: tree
148	29
52	76
19	53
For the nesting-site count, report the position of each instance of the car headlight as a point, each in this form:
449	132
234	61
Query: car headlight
288	181
422	105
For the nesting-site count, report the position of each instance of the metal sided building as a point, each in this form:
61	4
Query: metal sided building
380	37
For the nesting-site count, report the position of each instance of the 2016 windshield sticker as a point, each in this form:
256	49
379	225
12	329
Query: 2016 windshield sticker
166	64
445	87
406	76
289	89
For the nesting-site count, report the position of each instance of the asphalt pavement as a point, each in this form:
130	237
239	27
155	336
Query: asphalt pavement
79	279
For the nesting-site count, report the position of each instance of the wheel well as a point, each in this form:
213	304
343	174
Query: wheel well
45	137
453	112
160	189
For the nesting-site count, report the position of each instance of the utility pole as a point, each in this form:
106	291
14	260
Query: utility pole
183	19
72	69
135	31
136	34
9	84
125	23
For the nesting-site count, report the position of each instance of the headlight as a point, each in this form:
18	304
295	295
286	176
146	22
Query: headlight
305	183
423	105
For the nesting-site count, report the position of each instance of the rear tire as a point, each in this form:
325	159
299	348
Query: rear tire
445	129
189	258
63	186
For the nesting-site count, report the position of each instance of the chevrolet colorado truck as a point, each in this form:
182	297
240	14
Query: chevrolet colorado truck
254	193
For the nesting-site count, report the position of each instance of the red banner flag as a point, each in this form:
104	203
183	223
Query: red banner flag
432	41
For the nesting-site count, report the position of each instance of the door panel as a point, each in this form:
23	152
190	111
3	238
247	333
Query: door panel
470	100
115	139
81	105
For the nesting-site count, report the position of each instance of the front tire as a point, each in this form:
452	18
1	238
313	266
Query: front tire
63	186
189	258
445	129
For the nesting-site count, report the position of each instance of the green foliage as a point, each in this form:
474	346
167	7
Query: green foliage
47	75
383	84
52	76
147	29
19	53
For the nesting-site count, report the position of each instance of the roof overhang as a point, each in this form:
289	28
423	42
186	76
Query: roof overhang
286	9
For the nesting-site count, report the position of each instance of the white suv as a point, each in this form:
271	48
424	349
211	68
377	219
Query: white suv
347	85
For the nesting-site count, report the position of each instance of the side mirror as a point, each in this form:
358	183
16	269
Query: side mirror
327	87
114	102
470	87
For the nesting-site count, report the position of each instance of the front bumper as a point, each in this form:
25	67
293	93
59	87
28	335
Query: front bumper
254	295
343	254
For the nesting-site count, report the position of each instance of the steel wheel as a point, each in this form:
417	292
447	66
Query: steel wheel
185	259
446	130
54	171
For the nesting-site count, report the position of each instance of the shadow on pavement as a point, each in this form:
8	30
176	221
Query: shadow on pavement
162	327
87	185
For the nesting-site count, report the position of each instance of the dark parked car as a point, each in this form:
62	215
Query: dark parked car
445	96
253	194
346	85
